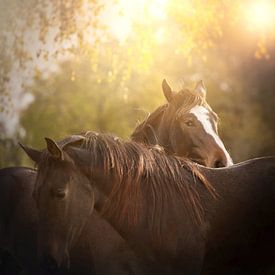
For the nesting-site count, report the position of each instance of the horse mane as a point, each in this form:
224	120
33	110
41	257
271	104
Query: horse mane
139	173
184	100
140	132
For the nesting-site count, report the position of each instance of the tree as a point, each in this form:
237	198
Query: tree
97	63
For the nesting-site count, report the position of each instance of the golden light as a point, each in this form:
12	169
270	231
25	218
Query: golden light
121	17
160	36
261	15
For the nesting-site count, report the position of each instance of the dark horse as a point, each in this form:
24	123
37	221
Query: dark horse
18	235
165	207
18	216
173	125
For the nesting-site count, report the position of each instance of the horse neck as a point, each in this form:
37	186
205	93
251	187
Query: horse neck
163	128
130	209
103	181
148	131
155	130
96	171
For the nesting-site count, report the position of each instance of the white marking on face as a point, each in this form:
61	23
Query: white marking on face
202	114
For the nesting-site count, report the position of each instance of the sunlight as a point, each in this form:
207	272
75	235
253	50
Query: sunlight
121	17
160	36
261	15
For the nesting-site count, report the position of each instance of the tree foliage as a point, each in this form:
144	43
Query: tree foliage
70	66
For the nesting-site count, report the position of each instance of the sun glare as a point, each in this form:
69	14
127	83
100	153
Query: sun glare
261	15
121	17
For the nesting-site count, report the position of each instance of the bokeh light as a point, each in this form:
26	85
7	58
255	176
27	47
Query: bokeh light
260	15
101	63
121	17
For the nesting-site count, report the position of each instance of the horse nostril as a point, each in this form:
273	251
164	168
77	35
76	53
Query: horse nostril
219	163
49	264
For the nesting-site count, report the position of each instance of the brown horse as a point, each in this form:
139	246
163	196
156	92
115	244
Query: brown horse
98	242
147	132
186	126
18	217
163	206
159	256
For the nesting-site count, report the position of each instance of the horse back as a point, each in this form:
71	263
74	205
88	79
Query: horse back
242	219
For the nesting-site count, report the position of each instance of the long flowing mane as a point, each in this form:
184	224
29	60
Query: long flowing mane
141	172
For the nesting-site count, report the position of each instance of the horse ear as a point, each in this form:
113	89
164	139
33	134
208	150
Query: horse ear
200	89
71	140
32	153
54	150
167	91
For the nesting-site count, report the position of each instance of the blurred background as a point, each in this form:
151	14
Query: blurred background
75	65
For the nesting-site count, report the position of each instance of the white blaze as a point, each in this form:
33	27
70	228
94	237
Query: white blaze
202	114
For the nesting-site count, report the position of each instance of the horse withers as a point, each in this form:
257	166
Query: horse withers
177	216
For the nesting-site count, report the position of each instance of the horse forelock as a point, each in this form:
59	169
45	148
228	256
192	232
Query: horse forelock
156	124
187	100
47	165
42	167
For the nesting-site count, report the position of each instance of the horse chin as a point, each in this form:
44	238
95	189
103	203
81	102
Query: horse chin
62	255
54	258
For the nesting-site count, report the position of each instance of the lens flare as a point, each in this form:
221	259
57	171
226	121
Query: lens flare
121	17
261	15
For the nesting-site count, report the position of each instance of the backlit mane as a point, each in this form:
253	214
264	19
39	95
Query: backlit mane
184	101
140	134
187	99
138	173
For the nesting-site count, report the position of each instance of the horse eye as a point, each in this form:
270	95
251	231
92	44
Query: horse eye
189	123
58	193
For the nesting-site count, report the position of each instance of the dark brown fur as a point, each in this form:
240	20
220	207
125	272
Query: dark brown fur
150	137
145	189
140	171
99	248
245	195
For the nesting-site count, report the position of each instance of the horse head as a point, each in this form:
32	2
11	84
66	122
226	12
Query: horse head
188	127
57	193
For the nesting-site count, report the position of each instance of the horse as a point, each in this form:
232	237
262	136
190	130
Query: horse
173	213
18	232
17	219
185	126
55	244
241	239
148	130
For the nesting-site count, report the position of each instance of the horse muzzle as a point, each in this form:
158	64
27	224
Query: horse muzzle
49	264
